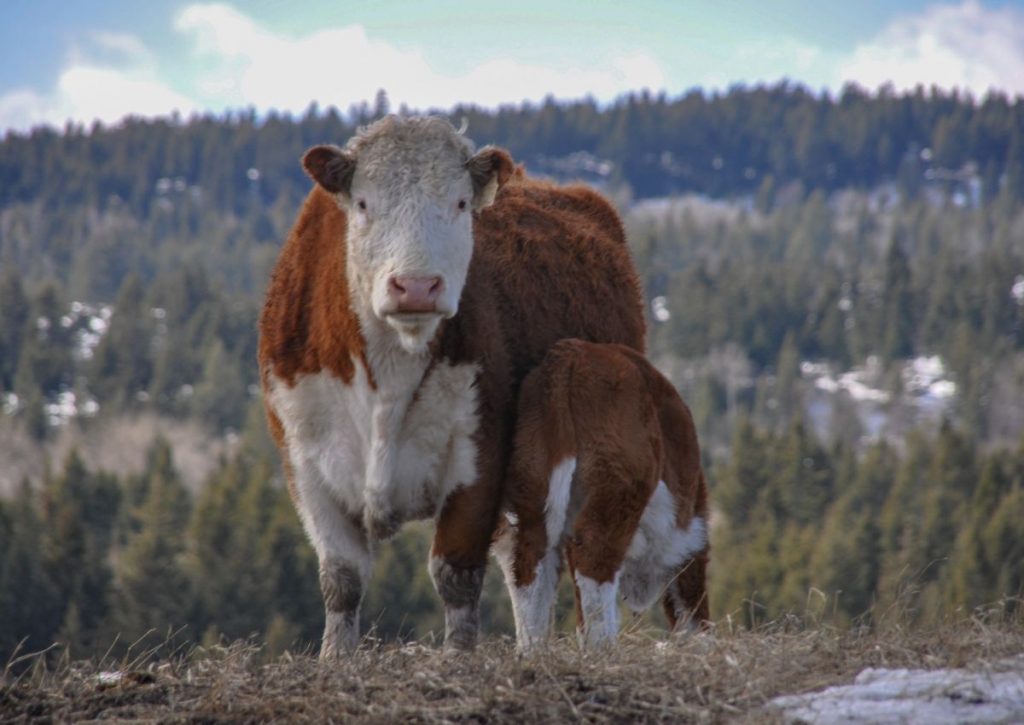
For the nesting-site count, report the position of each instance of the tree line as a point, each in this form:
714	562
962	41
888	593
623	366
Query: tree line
722	144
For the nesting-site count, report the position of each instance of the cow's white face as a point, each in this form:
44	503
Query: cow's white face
409	187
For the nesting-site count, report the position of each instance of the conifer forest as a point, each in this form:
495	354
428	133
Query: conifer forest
834	283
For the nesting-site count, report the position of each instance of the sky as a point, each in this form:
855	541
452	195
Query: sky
105	59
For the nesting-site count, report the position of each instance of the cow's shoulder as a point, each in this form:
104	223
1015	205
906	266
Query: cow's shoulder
308	324
539	202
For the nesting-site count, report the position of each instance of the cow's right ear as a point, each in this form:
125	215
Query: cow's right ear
330	167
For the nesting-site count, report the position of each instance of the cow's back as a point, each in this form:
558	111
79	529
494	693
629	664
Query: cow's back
558	264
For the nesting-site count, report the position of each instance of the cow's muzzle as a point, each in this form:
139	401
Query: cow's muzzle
413	294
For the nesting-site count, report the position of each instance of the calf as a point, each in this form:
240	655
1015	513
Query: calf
605	467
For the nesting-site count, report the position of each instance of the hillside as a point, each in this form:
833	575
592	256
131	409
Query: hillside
846	323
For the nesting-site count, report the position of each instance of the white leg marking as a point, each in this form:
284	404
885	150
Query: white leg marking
600	611
534	604
334	536
557	504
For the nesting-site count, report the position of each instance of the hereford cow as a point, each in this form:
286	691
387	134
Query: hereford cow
420	284
605	466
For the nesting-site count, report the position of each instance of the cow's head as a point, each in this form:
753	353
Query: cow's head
409	187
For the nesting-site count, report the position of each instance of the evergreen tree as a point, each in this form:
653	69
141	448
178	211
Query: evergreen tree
220	396
13	319
79	509
28	602
122	365
151	589
44	363
897	321
227	562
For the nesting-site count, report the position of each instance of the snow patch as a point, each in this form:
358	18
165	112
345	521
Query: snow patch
1017	291
659	308
68	405
880	695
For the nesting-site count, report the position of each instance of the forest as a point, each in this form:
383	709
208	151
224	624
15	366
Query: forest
836	286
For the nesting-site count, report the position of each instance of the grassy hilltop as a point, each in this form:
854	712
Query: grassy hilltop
730	675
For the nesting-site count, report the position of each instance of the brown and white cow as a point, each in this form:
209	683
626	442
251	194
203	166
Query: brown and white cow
419	285
606	467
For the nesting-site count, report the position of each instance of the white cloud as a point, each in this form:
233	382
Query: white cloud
108	94
964	46
248	64
236	62
111	77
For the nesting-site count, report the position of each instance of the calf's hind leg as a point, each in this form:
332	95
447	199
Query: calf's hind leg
539	488
686	598
616	496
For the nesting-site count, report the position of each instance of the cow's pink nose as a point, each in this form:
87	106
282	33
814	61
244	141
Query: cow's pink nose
415	294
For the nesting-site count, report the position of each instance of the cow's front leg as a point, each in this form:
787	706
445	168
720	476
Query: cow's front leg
345	564
458	559
379	517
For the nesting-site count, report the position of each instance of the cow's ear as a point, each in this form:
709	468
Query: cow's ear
489	169
330	167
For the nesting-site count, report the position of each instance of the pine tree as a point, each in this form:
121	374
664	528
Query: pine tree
897	312
227	563
976	563
220	395
79	509
14	315
28	606
44	364
152	590
122	364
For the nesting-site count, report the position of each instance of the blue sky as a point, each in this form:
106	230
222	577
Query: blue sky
108	58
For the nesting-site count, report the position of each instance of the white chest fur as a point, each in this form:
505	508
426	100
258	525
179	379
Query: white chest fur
402	445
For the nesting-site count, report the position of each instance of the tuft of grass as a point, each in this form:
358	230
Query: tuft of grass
726	674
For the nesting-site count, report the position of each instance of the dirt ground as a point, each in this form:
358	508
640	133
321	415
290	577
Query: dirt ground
720	676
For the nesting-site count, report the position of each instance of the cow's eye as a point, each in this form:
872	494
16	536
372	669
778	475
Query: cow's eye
462	204
361	204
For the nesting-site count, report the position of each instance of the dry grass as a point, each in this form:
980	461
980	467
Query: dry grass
720	676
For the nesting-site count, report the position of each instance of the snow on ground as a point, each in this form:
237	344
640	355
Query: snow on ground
928	393
994	694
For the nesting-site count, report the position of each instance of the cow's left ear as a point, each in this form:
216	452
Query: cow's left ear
330	167
489	169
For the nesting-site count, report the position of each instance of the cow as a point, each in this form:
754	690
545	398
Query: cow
606	468
421	282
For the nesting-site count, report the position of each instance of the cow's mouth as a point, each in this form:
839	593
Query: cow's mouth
414	329
413	318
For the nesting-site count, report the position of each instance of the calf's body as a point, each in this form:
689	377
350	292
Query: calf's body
605	469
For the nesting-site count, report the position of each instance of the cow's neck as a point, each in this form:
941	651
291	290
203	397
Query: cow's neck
397	375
